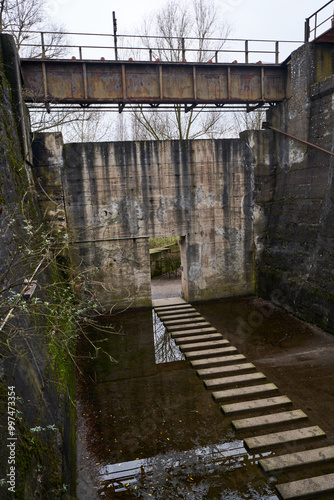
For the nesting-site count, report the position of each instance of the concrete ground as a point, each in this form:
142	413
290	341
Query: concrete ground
165	287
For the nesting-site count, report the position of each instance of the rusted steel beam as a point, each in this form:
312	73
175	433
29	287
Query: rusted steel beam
128	82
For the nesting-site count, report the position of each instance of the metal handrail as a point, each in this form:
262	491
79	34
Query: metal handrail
308	30
184	47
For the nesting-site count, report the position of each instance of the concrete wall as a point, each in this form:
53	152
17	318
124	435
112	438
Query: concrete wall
264	199
25	359
295	262
117	195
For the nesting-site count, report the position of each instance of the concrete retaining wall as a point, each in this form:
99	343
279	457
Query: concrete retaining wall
117	195
297	261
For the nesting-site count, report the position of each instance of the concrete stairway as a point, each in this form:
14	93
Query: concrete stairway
243	390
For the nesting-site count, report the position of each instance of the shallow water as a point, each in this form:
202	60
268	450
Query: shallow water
153	430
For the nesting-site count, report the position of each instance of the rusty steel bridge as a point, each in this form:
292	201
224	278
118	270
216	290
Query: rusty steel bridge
116	84
87	82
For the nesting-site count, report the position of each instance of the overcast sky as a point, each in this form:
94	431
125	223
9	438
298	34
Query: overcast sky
278	19
255	19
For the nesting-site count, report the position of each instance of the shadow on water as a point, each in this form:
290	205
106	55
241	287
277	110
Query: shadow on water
152	430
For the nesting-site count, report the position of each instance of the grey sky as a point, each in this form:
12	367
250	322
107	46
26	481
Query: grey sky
251	19
279	19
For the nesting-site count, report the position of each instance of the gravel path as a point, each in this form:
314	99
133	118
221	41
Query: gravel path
163	288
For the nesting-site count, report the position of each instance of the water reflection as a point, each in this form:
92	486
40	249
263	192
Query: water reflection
126	476
165	348
199	473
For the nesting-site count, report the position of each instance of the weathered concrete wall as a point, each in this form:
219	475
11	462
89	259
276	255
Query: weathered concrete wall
41	460
117	195
296	261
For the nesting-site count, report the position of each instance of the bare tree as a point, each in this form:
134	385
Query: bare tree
248	121
22	18
199	22
90	126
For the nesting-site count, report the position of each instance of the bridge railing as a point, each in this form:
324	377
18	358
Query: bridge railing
152	48
319	22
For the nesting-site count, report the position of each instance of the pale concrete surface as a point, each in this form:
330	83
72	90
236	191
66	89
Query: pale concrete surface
299	459
257	404
265	420
257	443
241	392
223	370
307	488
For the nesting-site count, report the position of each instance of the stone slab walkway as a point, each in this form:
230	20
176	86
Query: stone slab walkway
213	356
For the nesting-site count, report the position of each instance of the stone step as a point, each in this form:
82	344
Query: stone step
222	351
298	459
198	331
285	417
175	314
171	301
267	441
184	321
199	338
235	380
190	326
217	361
174	309
224	370
182	315
255	405
203	345
244	392
307	488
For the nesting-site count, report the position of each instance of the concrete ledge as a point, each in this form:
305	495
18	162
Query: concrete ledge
284	417
170	302
197	331
224	370
255	405
223	351
199	338
269	440
183	315
244	392
235	380
217	361
204	345
306	488
299	459
191	326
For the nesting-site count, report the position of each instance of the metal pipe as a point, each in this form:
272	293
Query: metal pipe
183	50
115	34
43	45
277	52
266	125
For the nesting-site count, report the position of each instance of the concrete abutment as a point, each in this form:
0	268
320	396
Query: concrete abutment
254	214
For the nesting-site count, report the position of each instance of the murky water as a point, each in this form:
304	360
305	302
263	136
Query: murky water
153	430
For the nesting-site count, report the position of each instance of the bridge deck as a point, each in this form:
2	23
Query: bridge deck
112	82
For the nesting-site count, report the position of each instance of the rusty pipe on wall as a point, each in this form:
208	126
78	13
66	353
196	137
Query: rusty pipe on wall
266	125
